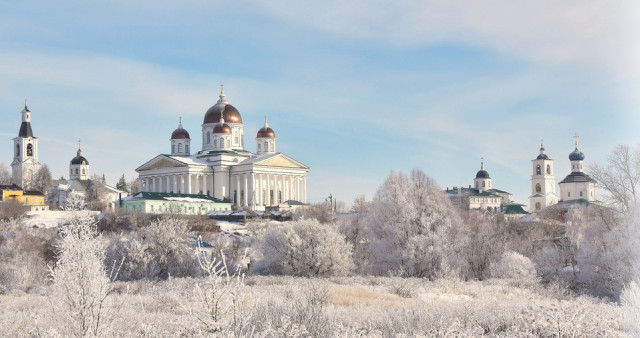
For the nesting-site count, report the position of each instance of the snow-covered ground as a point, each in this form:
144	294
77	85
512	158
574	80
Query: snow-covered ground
232	227
50	218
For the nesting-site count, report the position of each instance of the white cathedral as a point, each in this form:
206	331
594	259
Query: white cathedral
576	186
223	168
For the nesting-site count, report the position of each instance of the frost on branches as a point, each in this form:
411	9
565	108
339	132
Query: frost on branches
409	226
81	281
304	248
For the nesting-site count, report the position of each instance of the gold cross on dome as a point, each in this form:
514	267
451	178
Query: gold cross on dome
575	137
25	103
222	88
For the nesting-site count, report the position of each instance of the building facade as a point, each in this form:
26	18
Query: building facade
223	168
25	163
543	182
577	185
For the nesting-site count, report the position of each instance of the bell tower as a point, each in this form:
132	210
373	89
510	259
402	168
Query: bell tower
543	182
25	163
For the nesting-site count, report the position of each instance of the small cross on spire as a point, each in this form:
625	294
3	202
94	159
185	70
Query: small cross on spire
222	88
482	163
78	144
575	137
25	103
180	120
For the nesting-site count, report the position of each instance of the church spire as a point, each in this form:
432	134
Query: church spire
223	98
266	125
575	137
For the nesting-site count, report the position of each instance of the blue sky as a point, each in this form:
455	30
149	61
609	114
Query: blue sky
353	89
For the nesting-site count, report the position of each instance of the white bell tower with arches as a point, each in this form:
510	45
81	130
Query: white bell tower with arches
25	163
543	182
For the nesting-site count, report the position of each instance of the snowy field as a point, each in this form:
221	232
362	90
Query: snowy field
344	307
51	218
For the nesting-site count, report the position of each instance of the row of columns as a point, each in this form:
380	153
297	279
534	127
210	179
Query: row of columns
267	189
178	183
262	188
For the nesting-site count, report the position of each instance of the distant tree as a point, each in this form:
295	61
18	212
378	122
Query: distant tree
620	176
353	229
360	205
96	195
42	180
409	226
122	184
304	248
5	174
134	186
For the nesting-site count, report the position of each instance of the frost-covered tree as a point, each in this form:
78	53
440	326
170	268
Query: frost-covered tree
409	226
42	180
479	241
603	250
513	265
620	176
156	251
96	196
5	174
304	248
353	230
134	186
81	281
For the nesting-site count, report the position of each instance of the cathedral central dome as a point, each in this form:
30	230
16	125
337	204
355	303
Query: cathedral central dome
231	114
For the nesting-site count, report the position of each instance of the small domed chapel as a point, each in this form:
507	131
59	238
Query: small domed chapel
223	168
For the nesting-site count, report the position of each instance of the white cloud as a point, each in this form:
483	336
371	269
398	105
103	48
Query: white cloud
595	32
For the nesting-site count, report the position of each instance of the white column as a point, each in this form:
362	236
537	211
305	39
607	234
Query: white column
245	188
252	184
238	191
297	189
268	189
260	199
304	189
188	187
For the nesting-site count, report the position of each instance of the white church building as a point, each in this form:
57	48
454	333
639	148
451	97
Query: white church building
577	186
223	168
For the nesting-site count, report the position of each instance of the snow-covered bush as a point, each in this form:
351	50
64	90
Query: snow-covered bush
304	248
408	227
157	251
81	281
513	265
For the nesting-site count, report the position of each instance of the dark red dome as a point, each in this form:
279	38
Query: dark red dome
266	132
222	129
180	133
231	114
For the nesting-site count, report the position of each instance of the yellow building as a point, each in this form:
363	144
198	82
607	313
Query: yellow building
33	200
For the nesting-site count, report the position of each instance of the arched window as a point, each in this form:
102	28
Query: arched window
221	142
215	144
538	187
77	171
179	147
538	170
29	149
173	148
83	171
259	147
17	150
266	146
538	206
581	194
548	169
568	194
186	148
208	137
483	184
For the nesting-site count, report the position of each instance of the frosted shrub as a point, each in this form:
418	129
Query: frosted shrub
304	248
156	251
409	226
223	303
631	302
513	265
81	282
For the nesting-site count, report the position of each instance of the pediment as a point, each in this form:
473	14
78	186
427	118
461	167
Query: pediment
161	161
281	160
